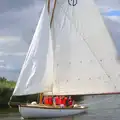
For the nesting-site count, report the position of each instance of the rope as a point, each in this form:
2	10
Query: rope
53	12
9	103
48	6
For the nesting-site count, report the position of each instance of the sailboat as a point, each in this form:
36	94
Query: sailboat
71	53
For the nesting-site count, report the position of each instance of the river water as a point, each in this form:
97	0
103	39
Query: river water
100	108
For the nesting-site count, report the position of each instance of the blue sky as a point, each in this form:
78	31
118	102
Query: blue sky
17	24
112	13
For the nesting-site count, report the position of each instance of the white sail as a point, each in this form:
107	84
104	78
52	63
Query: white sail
85	55
36	74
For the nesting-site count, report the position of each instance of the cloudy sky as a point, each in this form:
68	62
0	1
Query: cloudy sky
18	19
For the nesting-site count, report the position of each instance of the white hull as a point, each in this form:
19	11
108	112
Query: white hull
30	111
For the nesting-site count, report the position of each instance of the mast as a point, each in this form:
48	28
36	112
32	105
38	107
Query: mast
42	94
53	12
48	6
41	97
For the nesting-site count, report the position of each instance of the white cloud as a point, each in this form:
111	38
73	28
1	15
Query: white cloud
21	22
5	67
12	55
1	61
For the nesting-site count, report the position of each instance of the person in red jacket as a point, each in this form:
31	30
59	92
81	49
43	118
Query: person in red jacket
63	101
46	100
56	100
50	100
70	101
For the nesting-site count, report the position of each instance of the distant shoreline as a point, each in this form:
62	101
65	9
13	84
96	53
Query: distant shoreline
6	89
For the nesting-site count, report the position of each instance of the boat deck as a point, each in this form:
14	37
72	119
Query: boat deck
52	107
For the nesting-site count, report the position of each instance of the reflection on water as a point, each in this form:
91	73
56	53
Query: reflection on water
9	114
100	108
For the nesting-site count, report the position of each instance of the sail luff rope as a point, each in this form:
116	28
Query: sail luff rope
48	6
53	12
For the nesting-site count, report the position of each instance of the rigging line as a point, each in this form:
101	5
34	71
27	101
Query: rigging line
53	12
95	55
48	6
86	43
9	102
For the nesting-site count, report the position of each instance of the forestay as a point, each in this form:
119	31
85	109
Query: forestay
36	75
85	55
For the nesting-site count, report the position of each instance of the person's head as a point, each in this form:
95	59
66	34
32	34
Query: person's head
70	97
62	96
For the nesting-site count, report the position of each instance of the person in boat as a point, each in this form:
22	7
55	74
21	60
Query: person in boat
56	101
63	101
48	100
42	100
45	100
70	101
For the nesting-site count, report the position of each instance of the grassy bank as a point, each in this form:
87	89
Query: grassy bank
4	83
6	90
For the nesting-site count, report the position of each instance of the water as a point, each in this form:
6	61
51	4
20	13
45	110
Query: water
100	108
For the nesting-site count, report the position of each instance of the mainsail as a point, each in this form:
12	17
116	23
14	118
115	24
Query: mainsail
75	57
85	55
36	74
